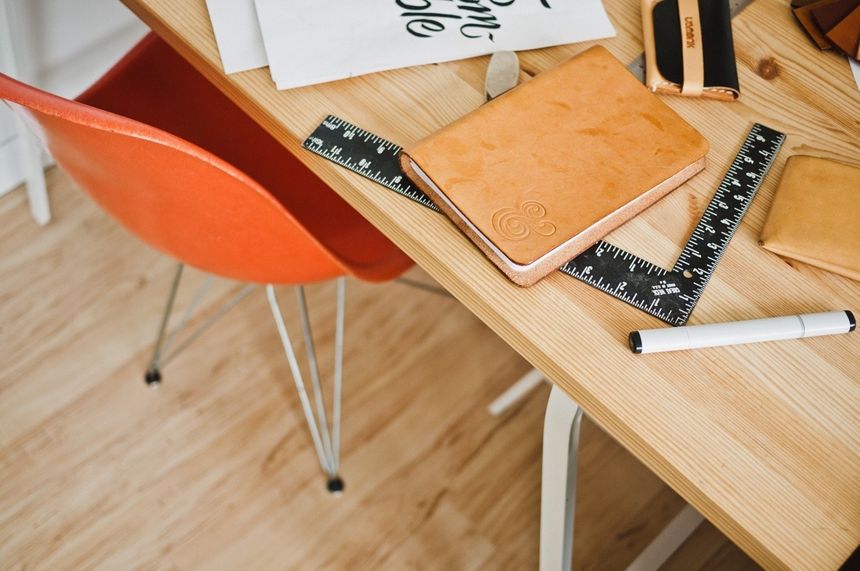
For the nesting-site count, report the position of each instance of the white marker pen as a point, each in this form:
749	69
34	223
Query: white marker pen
738	332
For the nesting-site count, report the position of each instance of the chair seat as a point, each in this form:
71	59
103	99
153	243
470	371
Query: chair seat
155	85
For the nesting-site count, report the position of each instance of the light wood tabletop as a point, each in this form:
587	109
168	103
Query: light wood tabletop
763	440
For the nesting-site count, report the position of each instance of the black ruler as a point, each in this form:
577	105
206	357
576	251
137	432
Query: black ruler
363	152
669	295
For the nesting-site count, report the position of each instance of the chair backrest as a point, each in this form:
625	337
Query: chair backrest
178	197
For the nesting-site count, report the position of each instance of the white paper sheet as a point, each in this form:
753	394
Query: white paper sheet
237	33
314	41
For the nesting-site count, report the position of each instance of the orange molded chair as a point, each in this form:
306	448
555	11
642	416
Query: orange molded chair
179	165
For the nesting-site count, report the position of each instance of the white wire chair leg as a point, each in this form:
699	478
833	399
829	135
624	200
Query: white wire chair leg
326	442
198	296
313	368
240	295
153	372
338	371
162	354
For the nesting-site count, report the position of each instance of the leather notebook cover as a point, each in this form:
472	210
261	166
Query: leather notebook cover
815	213
689	48
539	174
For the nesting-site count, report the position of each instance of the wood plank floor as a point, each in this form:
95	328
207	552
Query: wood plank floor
215	468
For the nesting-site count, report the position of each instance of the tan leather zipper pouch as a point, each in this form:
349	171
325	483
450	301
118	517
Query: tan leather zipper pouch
689	49
815	216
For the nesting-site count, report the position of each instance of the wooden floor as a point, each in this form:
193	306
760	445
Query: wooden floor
215	469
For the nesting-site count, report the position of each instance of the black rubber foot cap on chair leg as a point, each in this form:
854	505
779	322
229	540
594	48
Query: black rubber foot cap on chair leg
152	378
335	485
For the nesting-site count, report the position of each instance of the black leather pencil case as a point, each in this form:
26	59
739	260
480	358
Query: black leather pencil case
689	49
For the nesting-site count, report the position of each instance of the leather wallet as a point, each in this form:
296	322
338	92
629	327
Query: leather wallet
689	49
828	13
845	34
807	22
539	174
832	23
815	213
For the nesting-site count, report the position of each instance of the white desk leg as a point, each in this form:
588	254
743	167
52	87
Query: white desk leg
516	392
558	495
668	541
558	481
31	155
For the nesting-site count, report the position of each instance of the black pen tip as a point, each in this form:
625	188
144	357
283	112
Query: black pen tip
635	342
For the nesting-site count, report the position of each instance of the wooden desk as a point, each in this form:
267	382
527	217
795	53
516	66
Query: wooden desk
763	440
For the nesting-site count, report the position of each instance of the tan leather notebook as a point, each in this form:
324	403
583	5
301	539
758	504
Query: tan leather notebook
541	173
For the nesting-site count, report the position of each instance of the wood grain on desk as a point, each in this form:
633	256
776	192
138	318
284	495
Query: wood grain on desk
764	440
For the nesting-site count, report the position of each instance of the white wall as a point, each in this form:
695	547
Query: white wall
61	46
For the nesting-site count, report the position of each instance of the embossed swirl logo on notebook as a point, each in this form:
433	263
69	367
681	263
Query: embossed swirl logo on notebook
518	223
